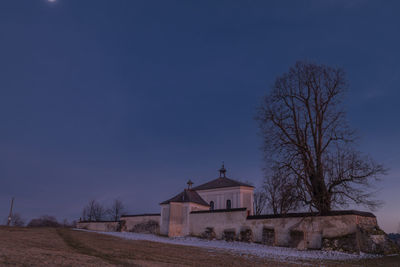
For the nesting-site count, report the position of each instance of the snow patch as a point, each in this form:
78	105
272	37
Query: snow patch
243	249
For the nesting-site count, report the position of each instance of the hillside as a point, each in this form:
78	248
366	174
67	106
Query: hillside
67	247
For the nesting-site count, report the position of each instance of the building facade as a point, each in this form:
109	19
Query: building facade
222	193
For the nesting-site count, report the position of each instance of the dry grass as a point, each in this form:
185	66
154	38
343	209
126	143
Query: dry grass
65	247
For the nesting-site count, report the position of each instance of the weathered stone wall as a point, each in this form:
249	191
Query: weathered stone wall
218	220
99	226
350	231
314	228
366	239
298	230
131	223
366	222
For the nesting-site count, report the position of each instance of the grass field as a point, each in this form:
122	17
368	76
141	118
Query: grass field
66	247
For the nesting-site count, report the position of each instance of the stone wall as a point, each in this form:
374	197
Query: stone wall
301	230
307	230
218	220
144	223
175	218
102	226
350	231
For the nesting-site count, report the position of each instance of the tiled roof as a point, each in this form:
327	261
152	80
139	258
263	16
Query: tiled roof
188	195
220	183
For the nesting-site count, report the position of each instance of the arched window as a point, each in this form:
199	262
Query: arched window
211	205
228	204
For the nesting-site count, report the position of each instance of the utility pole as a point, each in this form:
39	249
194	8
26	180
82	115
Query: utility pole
10	215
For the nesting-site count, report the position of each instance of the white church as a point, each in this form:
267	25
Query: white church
219	194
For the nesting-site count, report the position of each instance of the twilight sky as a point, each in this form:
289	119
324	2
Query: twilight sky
129	99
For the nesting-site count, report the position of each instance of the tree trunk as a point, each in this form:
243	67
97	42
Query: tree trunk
320	194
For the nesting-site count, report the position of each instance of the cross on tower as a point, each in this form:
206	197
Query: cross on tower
222	171
189	183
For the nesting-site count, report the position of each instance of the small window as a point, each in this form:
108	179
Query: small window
212	205
228	204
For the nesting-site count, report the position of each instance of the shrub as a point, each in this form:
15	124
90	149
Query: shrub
268	236
229	235
121	226
44	221
246	235
209	233
16	220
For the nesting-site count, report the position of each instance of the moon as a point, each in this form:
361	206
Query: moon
52	1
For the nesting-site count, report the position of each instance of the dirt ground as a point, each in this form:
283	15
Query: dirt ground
66	247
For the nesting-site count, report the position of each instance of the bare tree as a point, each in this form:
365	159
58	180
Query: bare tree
281	191
398	229
16	220
93	211
260	201
116	210
306	133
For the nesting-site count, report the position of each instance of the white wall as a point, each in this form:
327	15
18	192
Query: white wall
241	197
314	227
131	221
164	222
220	221
98	226
175	219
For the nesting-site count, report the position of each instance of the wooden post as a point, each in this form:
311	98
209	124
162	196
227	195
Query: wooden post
10	215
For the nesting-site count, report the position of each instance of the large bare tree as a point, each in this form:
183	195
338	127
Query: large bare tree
306	136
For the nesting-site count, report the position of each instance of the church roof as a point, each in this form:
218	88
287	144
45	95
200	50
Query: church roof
188	195
220	183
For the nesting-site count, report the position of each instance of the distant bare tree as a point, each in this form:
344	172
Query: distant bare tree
16	220
116	210
93	211
260	201
398	229
281	192
307	136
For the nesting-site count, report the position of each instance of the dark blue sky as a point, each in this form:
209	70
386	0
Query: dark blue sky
129	99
